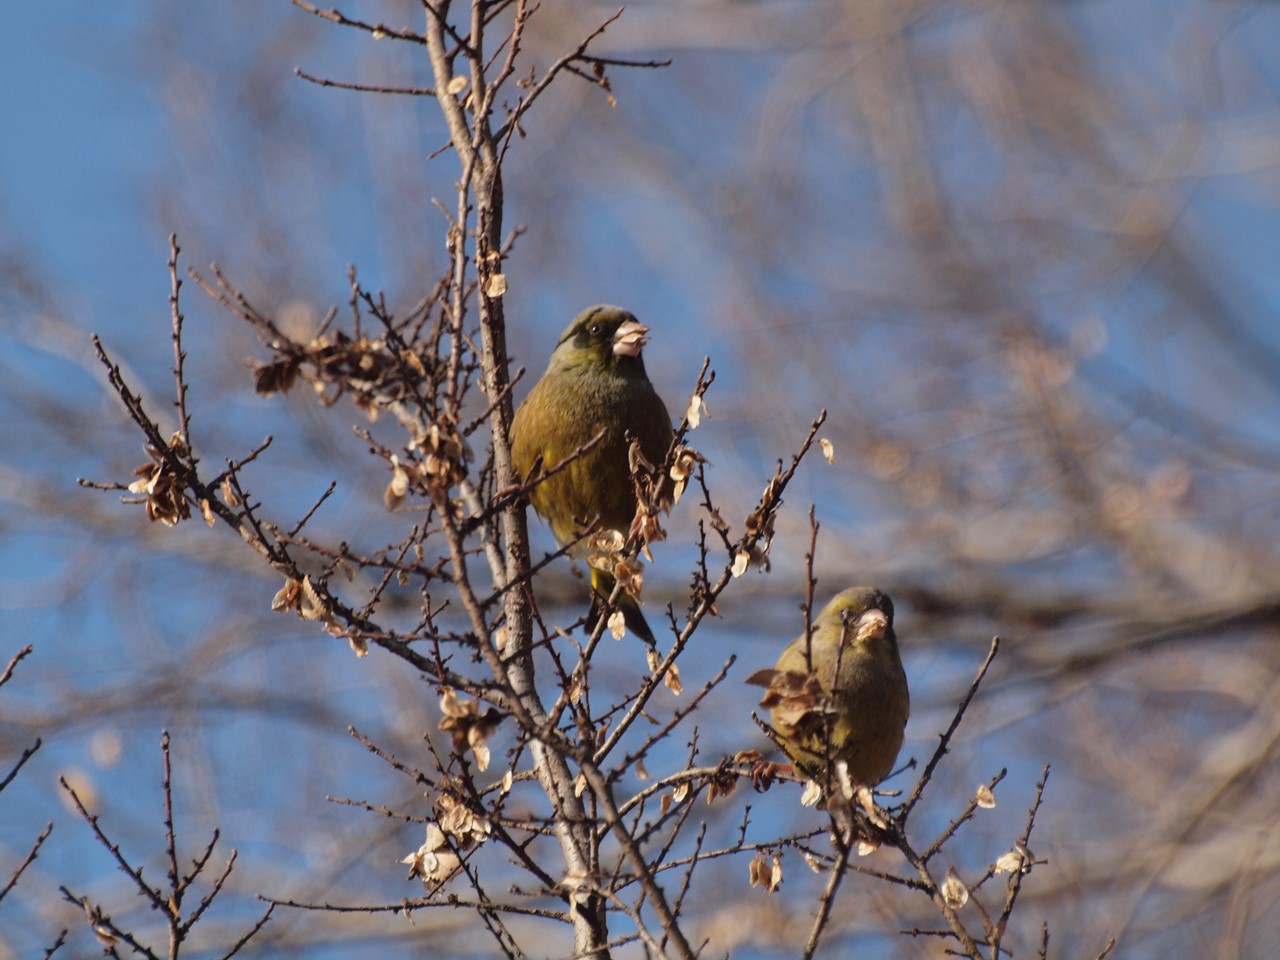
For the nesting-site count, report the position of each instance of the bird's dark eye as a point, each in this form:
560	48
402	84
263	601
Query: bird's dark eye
595	330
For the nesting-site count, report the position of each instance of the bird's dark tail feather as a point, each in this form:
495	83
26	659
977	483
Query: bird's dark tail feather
601	587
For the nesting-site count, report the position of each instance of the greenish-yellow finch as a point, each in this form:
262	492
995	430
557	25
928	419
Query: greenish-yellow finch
843	695
595	384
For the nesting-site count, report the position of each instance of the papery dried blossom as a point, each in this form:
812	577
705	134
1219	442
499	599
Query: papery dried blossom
755	556
682	468
630	574
157	479
433	862
954	893
303	598
502	640
467	726
811	794
797	699
277	377
637	462
311	605
646	528
1019	858
394	495
602	733
446	454
720	785
605	548
230	496
765	873
617	624
672	679
288	597
459	821
697	407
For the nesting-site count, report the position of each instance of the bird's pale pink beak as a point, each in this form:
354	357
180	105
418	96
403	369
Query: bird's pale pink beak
629	338
872	625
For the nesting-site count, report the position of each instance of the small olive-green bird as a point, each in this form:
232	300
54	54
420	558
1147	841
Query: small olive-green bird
595	381
856	690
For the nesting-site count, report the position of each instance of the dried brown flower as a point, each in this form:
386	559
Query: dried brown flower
157	479
277	377
468	727
766	873
459	821
798	702
433	862
682	468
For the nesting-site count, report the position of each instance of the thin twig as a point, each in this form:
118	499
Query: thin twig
1014	885
28	860
16	659
363	87
827	901
945	740
378	30
179	355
